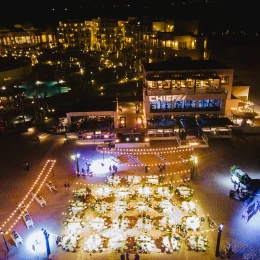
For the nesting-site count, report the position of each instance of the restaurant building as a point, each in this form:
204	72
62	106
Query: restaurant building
186	88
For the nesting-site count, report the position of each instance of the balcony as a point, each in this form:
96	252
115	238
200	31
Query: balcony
185	91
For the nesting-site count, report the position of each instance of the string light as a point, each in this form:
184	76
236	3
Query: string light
123	151
146	176
26	196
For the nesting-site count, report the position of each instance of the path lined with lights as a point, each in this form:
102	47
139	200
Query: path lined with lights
4	225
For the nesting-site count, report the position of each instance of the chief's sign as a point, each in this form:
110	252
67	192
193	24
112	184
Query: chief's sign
166	98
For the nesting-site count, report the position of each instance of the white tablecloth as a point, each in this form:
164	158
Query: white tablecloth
114	180
102	207
103	192
200	244
97	224
193	222
171	244
184	191
144	191
93	243
145	224
163	191
69	242
147	244
166	206
120	206
188	206
74	226
76	209
133	179
120	224
153	179
141	206
122	192
167	222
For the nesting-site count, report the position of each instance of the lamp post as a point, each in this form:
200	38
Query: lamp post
46	235
137	91
75	157
116	115
194	161
116	101
220	229
3	235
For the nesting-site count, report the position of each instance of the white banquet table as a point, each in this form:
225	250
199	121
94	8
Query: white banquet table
102	207
123	192
188	206
144	191
184	191
120	224
120	206
146	243
97	224
133	179
141	206
152	179
145	226
193	222
167	222
170	243
114	180
163	191
69	243
93	243
103	192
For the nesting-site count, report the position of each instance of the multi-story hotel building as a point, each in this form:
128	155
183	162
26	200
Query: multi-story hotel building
25	37
152	41
142	39
171	39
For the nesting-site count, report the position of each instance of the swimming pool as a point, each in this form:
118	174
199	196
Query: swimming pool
52	90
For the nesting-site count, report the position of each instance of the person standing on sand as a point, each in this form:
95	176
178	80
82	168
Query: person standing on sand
137	257
65	186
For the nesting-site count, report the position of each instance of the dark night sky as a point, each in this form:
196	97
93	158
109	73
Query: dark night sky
220	14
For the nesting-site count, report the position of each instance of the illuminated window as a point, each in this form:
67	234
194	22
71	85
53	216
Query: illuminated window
224	80
182	45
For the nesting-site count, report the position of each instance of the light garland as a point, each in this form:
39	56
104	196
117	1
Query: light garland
144	176
129	185
156	164
25	197
147	151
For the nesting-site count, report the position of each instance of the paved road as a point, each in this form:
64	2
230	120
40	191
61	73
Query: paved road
211	187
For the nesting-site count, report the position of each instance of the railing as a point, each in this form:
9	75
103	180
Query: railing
185	91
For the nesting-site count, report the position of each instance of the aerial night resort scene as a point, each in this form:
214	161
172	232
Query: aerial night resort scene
130	130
